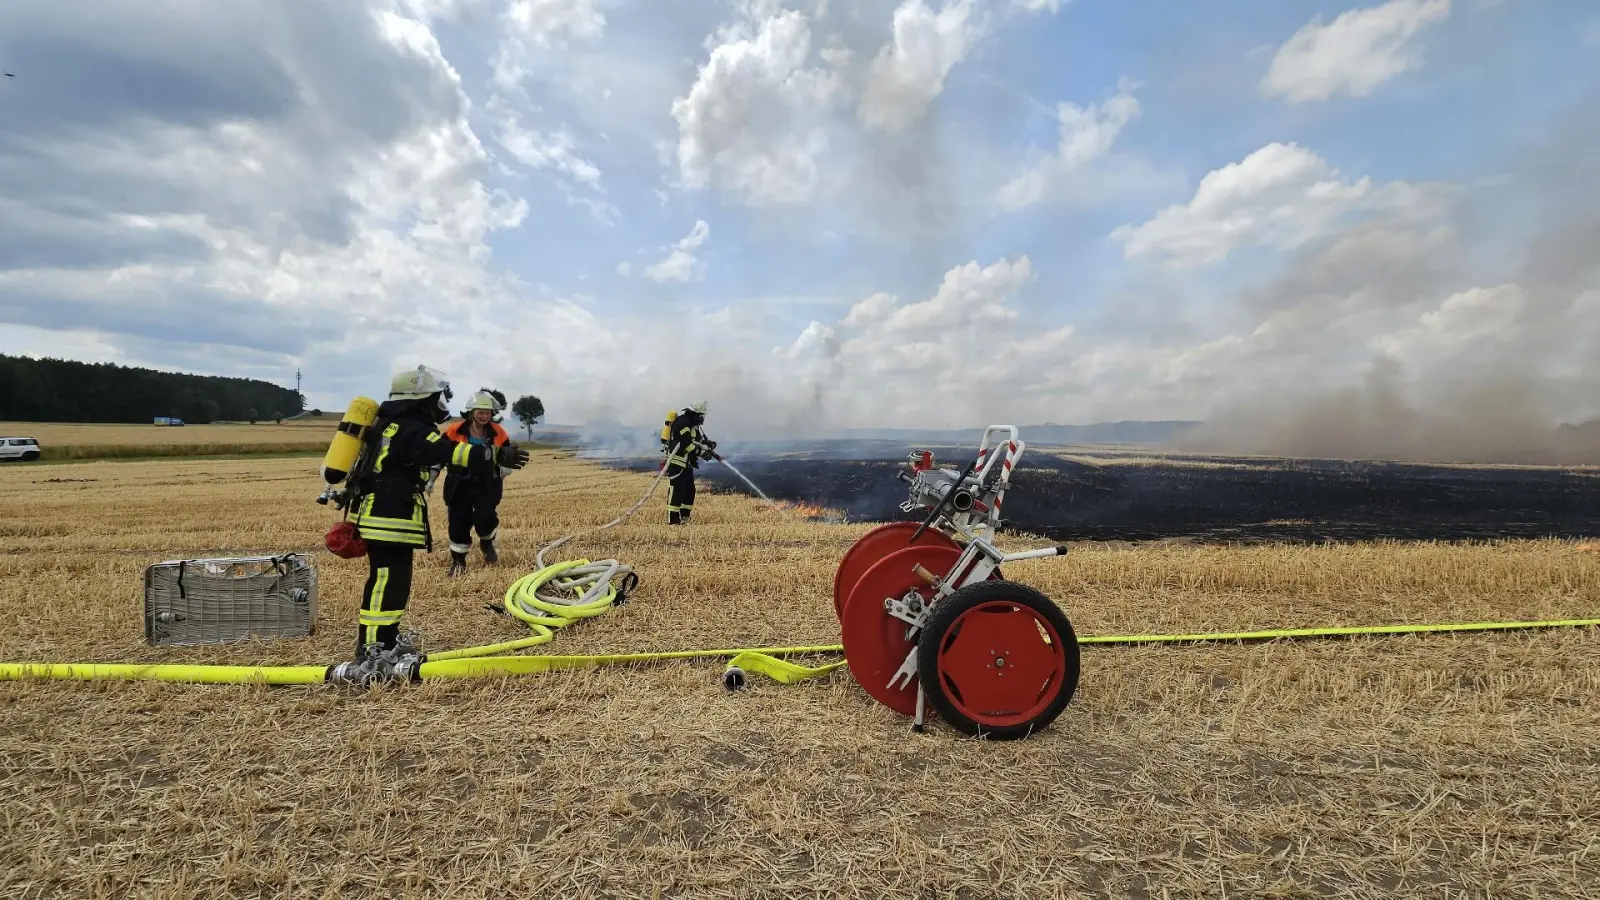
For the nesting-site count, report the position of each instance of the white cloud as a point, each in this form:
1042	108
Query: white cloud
1050	6
340	220
336	209
1472	317
540	151
1086	135
534	27
933	361
1353	54
1280	196
909	72
754	121
681	264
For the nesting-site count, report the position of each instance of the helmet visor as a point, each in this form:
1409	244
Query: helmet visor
440	380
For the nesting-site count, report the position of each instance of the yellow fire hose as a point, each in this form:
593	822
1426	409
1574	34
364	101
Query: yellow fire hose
473	662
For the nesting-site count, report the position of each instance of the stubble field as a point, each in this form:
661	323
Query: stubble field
81	441
1449	765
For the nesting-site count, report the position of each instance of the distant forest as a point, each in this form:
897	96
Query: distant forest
61	390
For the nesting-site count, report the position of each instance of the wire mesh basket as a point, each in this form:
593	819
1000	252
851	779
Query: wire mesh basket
215	601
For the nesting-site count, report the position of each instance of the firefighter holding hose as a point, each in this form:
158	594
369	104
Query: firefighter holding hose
473	498
683	442
391	515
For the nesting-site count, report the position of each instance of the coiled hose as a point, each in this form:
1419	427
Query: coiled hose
556	595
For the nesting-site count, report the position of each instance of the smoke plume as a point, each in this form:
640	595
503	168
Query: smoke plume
1461	352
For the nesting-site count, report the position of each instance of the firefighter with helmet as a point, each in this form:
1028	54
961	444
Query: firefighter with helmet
392	514
473	498
683	442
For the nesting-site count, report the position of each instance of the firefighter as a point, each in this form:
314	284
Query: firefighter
392	514
683	442
473	498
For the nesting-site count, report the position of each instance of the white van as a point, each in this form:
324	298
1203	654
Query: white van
23	448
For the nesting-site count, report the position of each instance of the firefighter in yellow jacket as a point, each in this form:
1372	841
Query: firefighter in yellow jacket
683	442
392	514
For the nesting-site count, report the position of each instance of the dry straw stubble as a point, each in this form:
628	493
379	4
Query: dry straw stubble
1418	766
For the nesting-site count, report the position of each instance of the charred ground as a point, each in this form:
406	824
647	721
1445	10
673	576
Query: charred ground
1207	499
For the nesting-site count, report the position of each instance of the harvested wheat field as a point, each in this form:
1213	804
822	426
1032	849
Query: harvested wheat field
74	441
1426	766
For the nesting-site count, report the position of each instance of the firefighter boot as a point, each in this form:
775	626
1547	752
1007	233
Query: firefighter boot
458	564
490	555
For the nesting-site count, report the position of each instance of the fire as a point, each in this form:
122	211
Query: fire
1590	546
802	509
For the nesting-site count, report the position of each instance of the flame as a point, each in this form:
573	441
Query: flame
1590	546
802	509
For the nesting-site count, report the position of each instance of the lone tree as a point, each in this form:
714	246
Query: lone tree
528	409
277	417
251	415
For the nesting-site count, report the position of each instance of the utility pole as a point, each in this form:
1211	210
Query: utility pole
297	379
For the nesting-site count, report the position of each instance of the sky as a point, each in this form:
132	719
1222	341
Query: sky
814	214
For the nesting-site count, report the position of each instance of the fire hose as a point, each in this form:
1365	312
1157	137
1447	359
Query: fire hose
763	660
559	594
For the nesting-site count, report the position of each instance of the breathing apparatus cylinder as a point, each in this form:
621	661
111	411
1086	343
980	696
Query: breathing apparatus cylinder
666	430
346	445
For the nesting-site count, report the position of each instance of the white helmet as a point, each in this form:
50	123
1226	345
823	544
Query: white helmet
483	400
699	407
418	384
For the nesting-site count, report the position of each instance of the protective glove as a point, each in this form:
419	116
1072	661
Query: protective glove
433	480
511	457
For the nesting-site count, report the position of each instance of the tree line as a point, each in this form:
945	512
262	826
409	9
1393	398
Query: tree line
61	390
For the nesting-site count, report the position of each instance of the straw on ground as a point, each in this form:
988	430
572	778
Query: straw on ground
1417	766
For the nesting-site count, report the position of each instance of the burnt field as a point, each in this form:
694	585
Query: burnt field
1122	497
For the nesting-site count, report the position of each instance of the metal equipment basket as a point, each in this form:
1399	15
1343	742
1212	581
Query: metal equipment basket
216	601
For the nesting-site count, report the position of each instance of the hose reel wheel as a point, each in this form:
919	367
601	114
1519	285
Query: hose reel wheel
871	548
997	659
875	642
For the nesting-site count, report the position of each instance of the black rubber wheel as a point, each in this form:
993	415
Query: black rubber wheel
1060	663
30	456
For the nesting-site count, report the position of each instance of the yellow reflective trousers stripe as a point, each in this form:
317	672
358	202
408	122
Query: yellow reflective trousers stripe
391	530
373	616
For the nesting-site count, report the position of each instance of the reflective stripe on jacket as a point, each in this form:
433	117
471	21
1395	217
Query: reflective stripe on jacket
394	508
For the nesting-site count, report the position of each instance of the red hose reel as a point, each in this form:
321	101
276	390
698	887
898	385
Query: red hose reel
929	621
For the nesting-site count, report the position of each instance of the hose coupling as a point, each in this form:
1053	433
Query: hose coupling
400	663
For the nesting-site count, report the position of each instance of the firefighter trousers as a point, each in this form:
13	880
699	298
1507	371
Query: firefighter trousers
680	496
473	508
388	590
